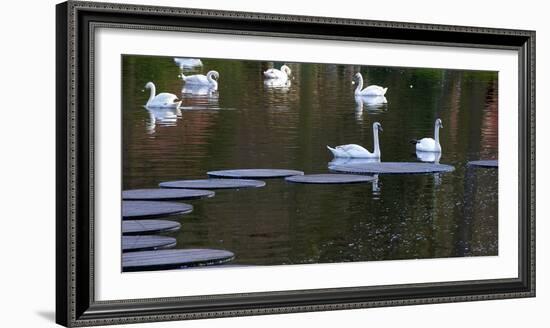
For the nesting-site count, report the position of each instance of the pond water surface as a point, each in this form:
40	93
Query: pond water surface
248	124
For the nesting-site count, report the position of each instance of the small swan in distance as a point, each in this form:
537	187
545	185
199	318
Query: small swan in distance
184	63
371	90
205	80
280	74
162	100
356	151
429	144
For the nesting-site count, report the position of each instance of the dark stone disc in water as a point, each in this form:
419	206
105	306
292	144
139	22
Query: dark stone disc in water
330	178
144	209
146	243
485	163
166	194
148	227
392	168
254	173
213	184
174	259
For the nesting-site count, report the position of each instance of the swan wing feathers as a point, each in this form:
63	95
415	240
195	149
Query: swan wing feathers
426	144
351	151
274	73
374	90
164	100
166	97
196	79
351	148
338	152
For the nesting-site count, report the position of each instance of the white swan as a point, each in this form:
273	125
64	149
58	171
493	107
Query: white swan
429	144
162	100
279	74
184	63
371	90
356	151
205	80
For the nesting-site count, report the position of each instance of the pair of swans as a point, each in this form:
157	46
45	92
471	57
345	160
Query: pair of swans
281	75
206	81
431	147
186	63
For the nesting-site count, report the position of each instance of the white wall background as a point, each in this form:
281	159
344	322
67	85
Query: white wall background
27	161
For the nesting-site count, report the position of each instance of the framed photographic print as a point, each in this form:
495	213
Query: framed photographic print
214	164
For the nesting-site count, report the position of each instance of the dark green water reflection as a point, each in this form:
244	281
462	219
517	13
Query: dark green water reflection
249	125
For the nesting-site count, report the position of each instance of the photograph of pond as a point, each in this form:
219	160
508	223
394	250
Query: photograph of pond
238	163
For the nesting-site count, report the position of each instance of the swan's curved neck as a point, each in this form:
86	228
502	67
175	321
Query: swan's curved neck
376	142
436	133
210	78
285	69
359	84
152	94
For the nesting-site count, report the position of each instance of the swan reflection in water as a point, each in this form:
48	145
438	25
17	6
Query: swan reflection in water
358	161
371	104
196	97
428	156
162	117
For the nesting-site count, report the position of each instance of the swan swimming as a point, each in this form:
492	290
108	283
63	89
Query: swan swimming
371	90
279	74
162	100
429	144
184	63
356	151
205	80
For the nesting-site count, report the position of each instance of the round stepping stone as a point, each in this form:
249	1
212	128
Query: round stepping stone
330	178
174	259
145	243
485	163
392	168
143	209
166	194
213	184
148	227
254	173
